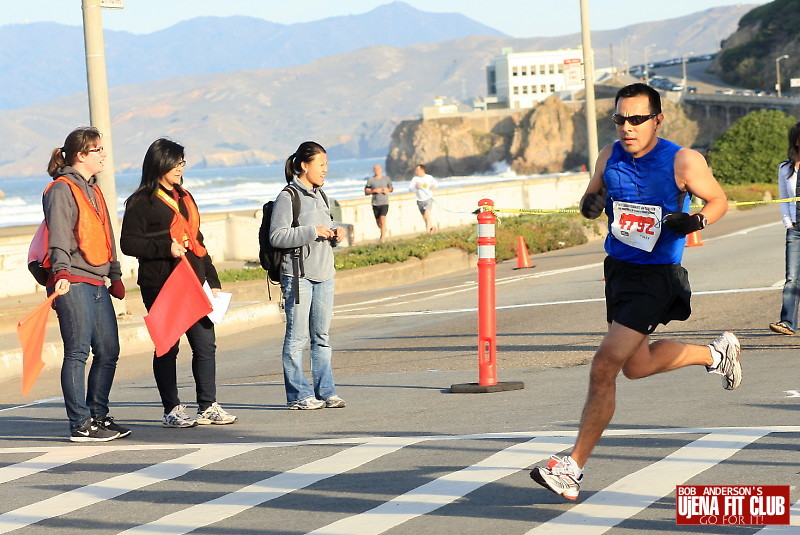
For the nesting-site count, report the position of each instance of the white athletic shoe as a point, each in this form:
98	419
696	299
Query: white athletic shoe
561	475
729	367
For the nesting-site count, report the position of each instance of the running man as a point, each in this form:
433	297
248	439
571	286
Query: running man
422	185
379	186
643	183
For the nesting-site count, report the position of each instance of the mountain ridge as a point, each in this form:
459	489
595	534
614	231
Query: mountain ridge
349	102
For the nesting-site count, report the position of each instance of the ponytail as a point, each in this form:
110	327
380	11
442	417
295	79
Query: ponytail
56	162
289	168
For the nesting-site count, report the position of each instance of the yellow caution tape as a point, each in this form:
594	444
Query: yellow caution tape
576	211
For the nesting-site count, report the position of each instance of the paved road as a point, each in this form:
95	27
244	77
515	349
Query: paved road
407	457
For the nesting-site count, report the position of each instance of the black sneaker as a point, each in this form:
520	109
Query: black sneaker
92	432
109	423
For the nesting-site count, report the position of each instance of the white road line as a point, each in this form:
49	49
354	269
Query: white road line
111	488
637	491
447	489
219	509
37	402
46	461
527	305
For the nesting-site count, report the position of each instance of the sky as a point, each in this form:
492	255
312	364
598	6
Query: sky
517	18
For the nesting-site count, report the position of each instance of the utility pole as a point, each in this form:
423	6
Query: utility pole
778	72
97	84
588	77
99	114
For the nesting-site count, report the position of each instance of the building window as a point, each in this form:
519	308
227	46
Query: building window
514	71
524	89
552	69
524	70
560	68
552	88
533	70
516	90
542	88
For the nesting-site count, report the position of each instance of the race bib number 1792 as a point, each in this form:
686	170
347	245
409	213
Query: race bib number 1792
637	225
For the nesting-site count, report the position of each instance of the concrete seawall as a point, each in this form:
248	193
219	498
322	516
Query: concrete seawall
234	236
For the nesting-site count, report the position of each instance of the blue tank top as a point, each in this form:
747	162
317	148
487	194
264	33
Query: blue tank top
649	179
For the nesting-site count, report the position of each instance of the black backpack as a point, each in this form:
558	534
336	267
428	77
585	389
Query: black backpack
271	257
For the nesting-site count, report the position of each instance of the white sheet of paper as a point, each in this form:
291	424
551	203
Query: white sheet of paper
219	304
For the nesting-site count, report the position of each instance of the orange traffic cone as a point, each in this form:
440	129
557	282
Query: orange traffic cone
523	258
694	239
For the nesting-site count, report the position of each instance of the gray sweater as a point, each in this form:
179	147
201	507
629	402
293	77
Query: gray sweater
61	214
317	253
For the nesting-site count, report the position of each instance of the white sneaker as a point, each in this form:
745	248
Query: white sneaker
307	404
729	367
215	415
561	475
334	402
177	417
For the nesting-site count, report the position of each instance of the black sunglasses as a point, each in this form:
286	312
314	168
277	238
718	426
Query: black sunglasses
635	120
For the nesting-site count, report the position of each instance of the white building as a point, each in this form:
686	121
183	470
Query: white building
522	79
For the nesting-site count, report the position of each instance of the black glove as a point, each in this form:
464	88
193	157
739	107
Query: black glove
593	204
683	223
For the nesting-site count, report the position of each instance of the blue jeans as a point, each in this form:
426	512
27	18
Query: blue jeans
311	318
87	321
791	288
202	340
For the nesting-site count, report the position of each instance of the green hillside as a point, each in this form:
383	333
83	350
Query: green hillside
775	29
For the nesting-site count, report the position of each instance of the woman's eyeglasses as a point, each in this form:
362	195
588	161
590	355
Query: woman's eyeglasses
180	164
96	149
634	120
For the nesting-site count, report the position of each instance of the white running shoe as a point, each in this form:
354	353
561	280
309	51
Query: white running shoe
215	415
729	367
334	402
307	404
177	417
561	475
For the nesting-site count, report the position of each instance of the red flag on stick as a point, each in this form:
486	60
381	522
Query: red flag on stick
30	331
180	303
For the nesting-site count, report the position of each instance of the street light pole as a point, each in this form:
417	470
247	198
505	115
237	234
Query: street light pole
778	72
97	84
646	68
588	77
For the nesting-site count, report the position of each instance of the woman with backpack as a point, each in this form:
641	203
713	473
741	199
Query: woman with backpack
307	277
160	226
81	255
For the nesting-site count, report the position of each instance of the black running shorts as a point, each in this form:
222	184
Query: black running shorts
640	296
380	209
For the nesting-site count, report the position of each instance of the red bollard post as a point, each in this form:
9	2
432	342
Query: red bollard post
487	319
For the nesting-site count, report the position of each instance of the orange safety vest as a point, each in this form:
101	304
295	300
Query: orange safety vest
93	229
183	230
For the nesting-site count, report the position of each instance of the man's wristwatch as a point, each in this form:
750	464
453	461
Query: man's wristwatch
703	220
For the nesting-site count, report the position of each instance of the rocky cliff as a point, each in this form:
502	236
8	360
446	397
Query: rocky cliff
549	138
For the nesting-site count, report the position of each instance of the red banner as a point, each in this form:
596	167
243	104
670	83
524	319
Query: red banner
179	305
31	331
728	505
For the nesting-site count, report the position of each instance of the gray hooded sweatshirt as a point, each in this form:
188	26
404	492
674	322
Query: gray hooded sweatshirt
61	214
317	253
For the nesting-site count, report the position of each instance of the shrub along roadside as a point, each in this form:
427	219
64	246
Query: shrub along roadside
541	233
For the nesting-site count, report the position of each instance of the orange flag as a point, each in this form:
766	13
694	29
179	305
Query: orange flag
30	331
180	303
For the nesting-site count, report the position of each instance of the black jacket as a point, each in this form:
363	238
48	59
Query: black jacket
145	235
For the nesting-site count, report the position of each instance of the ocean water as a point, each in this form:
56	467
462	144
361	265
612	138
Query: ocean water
229	189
